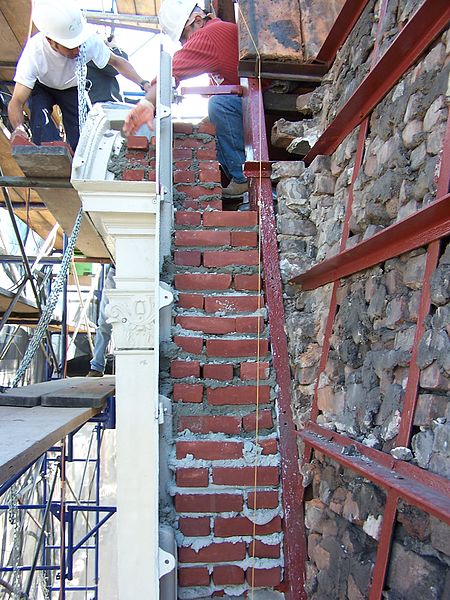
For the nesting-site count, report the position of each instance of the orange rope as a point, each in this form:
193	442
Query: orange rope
258	357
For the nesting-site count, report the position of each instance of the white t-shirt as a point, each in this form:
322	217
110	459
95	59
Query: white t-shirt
40	62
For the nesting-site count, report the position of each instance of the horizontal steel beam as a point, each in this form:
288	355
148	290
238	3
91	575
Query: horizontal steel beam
267	69
33	182
426	225
420	488
427	22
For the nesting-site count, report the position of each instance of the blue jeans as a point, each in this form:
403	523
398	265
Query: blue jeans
104	329
41	103
226	114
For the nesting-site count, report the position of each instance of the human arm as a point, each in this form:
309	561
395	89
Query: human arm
17	103
125	68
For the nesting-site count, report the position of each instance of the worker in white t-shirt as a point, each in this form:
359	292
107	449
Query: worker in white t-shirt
46	71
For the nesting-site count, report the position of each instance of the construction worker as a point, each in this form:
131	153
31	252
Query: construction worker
47	70
209	45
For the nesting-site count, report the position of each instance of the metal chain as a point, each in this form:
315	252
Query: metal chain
14	520
81	79
52	301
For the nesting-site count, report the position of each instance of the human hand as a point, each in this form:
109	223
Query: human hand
143	112
20	137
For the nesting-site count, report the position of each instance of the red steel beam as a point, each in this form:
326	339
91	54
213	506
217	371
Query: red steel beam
420	488
426	225
261	191
346	20
426	23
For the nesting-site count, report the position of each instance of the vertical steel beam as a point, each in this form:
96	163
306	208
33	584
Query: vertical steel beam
261	195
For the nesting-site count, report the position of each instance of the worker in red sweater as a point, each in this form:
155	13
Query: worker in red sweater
209	45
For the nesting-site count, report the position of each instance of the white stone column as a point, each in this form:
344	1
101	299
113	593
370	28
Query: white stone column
126	216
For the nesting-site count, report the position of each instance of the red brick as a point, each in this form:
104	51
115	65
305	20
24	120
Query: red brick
249	370
230	219
264	420
244	238
247	282
182	127
185	368
183	177
229	527
210	424
208	503
264	577
206	154
210	450
233	303
187	217
202	281
182	153
237	394
235	348
188	392
194	576
210	204
228	575
249	324
192	237
188	203
217	325
194	527
269	446
207	127
213	553
137	142
190	301
245	476
133	175
263	499
152	175
182	165
259	550
187	258
197	191
192	477
190	142
209	175
221	258
193	345
222	372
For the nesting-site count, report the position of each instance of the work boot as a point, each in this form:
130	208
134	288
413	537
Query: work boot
235	189
94	373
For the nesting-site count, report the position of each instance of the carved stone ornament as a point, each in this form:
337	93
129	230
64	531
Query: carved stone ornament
133	319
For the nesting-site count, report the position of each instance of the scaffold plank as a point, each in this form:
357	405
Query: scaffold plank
26	433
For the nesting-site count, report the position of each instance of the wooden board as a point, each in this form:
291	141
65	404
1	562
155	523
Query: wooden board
64	204
138	7
26	433
83	393
74	392
23	307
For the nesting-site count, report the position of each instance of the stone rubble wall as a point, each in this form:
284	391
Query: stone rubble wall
361	390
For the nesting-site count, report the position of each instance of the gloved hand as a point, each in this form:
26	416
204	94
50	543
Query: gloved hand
143	112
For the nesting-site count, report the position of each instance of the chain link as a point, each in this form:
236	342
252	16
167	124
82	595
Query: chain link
52	301
80	71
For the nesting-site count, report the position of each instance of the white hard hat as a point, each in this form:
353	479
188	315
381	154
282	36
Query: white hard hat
61	21
173	15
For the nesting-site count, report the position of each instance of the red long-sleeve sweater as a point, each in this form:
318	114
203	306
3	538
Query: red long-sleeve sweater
213	49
